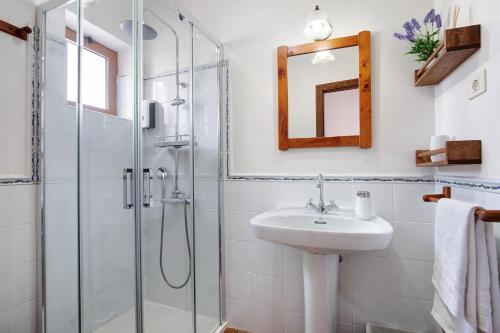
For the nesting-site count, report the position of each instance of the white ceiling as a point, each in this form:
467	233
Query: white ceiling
231	20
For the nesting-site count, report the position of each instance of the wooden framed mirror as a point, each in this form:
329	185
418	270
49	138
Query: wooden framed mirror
324	93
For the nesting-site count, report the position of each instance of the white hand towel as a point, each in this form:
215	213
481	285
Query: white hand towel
494	278
466	285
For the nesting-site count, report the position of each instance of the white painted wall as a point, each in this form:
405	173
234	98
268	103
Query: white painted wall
15	109
402	115
478	118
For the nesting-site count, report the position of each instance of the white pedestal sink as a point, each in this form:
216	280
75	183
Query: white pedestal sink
321	237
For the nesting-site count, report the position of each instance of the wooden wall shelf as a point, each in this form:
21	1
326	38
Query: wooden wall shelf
457	153
459	44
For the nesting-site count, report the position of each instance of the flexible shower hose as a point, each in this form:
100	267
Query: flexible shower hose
163	274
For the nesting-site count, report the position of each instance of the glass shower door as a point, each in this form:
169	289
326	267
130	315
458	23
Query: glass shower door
88	160
180	157
106	164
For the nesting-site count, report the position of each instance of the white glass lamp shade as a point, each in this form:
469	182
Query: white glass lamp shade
318	27
323	57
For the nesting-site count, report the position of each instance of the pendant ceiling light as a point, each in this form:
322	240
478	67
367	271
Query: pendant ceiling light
318	27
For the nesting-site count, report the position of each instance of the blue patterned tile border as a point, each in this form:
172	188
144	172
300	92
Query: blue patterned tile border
16	181
340	179
478	184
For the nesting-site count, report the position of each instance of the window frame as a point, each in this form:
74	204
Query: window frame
111	57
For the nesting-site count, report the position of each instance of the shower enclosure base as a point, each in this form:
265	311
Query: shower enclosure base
160	318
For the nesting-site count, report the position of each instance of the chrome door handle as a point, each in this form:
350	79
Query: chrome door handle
128	177
146	181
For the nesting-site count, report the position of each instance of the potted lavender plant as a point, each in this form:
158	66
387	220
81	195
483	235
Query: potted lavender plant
423	40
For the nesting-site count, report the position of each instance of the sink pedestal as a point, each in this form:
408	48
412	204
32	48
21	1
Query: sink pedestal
320	292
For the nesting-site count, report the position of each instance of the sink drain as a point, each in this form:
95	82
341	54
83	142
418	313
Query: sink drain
319	222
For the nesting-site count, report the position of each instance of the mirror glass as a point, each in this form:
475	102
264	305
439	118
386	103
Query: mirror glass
330	75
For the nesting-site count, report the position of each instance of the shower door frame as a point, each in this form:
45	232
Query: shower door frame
41	11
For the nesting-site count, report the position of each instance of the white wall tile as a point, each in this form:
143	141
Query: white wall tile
17	245
237	226
414	313
17	205
60	164
20	319
358	328
413	241
345	302
240	255
262	196
343	327
293	298
240	285
346	271
293	322
240	314
381	197
18	285
292	263
61	200
267	319
268	290
368	306
339	192
268	259
413	279
408	204
373	273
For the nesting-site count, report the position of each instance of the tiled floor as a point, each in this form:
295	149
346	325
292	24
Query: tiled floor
234	330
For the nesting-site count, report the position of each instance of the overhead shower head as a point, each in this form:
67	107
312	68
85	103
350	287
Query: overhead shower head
148	33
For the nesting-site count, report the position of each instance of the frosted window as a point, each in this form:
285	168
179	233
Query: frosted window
94	77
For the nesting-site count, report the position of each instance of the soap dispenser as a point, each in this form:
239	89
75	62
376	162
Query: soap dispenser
363	205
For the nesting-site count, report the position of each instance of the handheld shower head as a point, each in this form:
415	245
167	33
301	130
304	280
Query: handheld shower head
162	173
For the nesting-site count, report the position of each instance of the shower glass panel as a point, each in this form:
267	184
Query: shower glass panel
59	174
205	131
106	168
167	216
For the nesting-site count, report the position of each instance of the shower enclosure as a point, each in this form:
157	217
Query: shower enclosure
130	202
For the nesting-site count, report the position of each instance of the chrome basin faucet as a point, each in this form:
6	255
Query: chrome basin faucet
320	206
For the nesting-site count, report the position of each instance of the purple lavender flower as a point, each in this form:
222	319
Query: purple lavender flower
430	17
415	23
410	32
408	27
439	22
399	36
410	36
